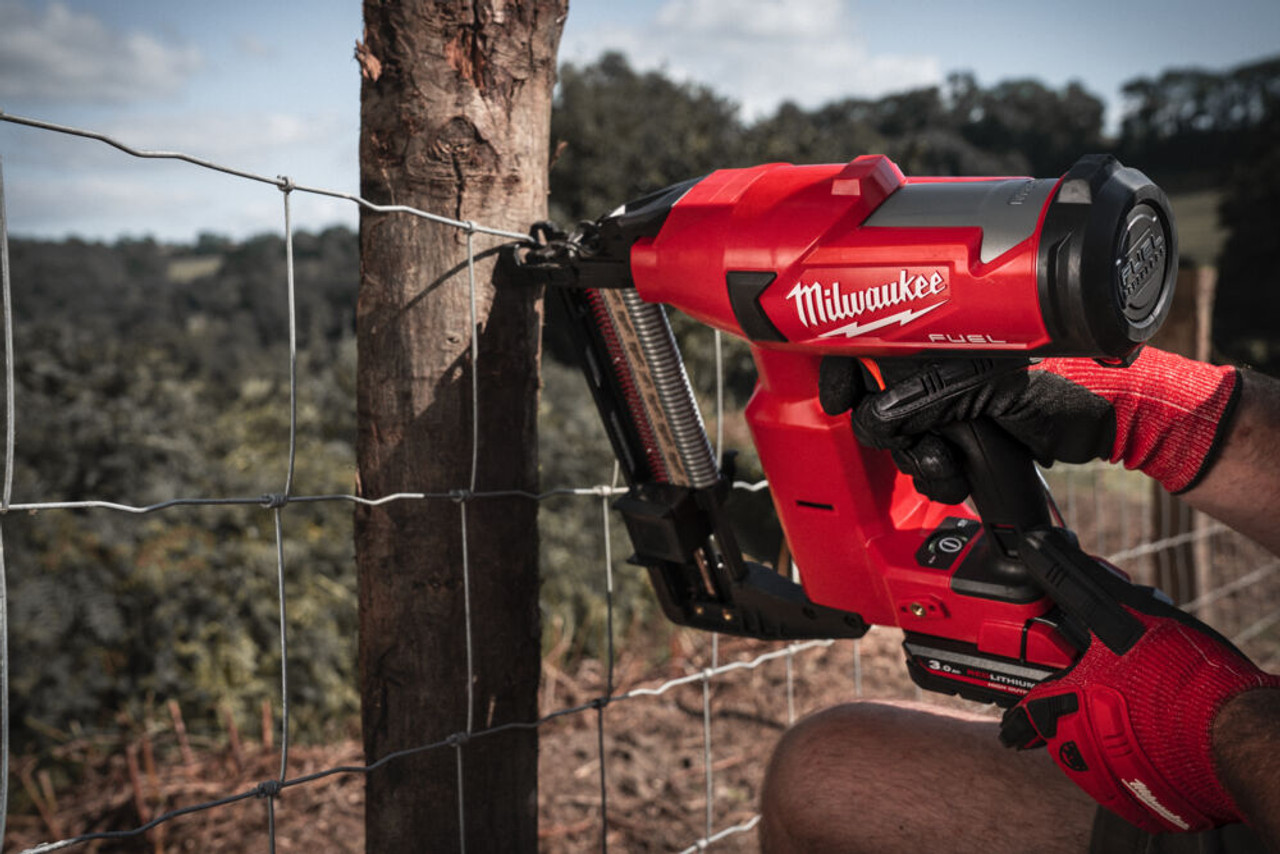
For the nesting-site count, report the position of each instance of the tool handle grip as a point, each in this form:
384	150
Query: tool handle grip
1007	492
1006	489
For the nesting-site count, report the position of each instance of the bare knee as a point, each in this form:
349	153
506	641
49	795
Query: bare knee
880	777
823	773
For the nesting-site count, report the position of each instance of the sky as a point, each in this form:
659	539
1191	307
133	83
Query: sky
271	86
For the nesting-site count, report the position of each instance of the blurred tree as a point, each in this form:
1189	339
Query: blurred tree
1046	129
139	388
830	134
617	134
1248	299
1189	125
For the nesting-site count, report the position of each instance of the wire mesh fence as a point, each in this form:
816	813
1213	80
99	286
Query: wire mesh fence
712	707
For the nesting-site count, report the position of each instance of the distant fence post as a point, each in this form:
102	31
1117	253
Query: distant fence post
455	120
1180	570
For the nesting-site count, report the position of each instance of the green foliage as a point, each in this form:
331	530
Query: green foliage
961	129
138	386
1194	129
1049	129
574	453
827	135
1188	126
621	133
1248	300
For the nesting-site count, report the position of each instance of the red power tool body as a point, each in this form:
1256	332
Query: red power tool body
805	262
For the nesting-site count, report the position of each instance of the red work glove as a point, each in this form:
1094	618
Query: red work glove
1163	414
1131	721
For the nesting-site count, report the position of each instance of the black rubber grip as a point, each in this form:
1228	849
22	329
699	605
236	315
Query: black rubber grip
1002	477
1072	579
1000	470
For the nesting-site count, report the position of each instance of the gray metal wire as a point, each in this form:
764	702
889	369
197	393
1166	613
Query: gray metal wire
8	489
273	788
9	426
466	558
4	690
608	684
284	497
733	830
284	645
708	766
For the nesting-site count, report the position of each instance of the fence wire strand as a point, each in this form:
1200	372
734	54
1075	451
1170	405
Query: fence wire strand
4	690
608	681
4	508
263	179
278	503
9	426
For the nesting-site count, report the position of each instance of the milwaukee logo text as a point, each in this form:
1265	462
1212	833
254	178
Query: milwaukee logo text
820	305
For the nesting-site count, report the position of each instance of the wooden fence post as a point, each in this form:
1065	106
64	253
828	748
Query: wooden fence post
455	120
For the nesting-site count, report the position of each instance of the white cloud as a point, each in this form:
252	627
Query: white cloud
250	44
763	52
753	19
55	54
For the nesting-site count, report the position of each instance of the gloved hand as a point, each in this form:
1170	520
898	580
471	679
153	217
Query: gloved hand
1163	414
1131	721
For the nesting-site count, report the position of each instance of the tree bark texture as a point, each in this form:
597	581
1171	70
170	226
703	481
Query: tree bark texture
455	115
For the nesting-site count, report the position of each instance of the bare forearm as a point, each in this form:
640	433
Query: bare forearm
1246	749
1242	487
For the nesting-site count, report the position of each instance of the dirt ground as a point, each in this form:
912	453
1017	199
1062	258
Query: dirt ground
655	768
655	747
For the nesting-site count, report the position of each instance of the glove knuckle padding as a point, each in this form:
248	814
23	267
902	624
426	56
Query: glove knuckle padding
1137	736
875	431
932	466
1055	417
930	458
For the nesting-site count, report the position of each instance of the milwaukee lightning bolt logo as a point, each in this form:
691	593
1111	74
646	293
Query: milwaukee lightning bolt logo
819	305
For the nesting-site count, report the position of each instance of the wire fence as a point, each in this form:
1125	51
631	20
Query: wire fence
1116	514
